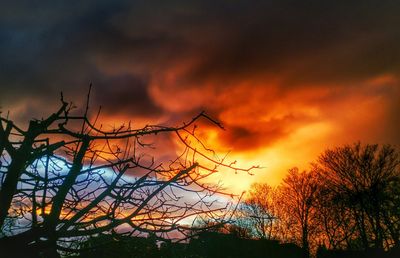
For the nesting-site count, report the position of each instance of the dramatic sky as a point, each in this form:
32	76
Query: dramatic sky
288	79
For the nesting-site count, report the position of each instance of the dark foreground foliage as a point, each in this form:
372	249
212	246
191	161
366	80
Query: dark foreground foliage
207	245
212	245
372	253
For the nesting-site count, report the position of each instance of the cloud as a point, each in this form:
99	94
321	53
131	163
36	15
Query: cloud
124	94
267	69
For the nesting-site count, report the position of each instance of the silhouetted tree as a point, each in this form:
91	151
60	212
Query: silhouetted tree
361	189
258	211
347	203
285	213
335	222
298	194
65	178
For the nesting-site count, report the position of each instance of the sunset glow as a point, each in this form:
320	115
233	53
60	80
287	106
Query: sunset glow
285	86
200	128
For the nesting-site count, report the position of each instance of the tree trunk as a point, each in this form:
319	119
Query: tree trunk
305	244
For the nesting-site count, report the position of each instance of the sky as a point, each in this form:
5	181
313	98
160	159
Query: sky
288	79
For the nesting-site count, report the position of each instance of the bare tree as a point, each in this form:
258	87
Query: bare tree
298	193
361	182
65	178
258	212
335	224
286	213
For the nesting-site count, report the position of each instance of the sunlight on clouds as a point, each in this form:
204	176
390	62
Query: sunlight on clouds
274	160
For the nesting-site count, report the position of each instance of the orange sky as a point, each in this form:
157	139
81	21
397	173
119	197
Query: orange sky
280	130
286	80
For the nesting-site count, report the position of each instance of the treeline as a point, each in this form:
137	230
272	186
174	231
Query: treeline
346	205
348	200
209	245
203	245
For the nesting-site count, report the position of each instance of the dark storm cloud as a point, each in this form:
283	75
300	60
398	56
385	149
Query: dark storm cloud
127	95
307	41
130	48
44	42
45	48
